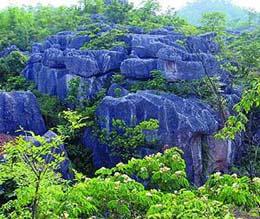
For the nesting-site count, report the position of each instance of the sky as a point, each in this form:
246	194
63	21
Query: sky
177	4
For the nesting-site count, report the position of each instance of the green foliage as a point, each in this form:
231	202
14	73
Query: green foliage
118	79
157	82
118	12
148	16
230	189
75	121
106	40
73	93
165	172
250	100
201	88
213	22
50	107
17	83
243	53
92	6
118	192
188	205
22	26
37	184
12	65
124	140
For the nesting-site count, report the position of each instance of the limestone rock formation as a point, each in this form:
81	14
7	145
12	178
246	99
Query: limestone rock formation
188	123
20	110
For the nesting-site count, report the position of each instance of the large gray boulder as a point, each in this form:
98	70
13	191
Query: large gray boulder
56	82
20	110
202	44
183	123
82	65
53	58
186	123
52	67
178	65
137	68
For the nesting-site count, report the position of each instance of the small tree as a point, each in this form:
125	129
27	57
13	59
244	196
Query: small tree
31	165
213	22
118	12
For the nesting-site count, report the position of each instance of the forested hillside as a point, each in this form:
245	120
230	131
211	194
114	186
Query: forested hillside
236	16
108	110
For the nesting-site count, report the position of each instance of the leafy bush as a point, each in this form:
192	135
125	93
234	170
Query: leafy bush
106	40
165	172
124	140
50	107
231	189
118	12
17	83
188	205
37	185
12	65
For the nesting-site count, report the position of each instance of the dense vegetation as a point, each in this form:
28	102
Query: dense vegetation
236	15
152	187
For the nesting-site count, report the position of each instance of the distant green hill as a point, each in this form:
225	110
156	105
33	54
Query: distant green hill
193	11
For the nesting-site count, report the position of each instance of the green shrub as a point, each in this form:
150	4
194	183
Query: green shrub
125	140
230	189
165	172
12	65
188	205
50	107
106	40
17	83
118	12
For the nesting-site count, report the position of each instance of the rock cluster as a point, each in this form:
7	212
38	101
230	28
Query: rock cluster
187	123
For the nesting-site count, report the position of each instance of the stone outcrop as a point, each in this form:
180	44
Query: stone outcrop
58	60
137	68
187	123
20	110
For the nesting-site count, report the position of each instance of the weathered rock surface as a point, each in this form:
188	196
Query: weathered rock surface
187	123
58	60
137	68
64	167
20	110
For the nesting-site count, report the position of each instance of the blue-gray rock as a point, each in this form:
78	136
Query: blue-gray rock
101	153
20	110
55	82
65	166
37	48
183	122
179	65
135	30
8	50
62	39
202	44
106	60
53	58
84	66
147	46
78	41
137	68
